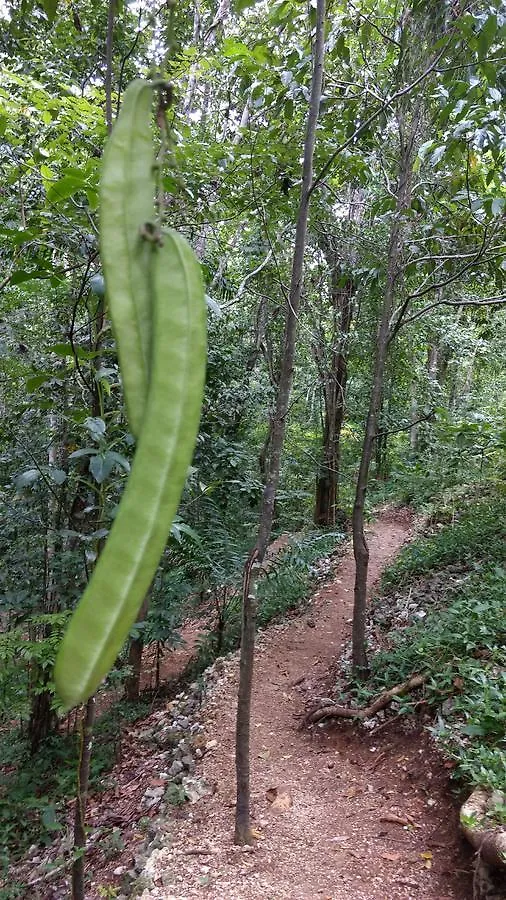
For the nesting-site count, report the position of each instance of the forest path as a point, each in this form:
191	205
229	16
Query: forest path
325	838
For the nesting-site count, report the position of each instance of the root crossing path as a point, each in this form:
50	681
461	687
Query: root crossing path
341	814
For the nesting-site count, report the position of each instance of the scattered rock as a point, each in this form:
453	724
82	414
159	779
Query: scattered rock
152	796
168	737
189	764
196	789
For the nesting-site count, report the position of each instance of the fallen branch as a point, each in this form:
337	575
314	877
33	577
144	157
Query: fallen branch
353	712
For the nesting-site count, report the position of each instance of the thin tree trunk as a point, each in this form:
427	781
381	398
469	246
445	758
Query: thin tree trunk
133	681
88	720
242	820
192	80
413	431
78	892
43	719
109	45
335	380
394	266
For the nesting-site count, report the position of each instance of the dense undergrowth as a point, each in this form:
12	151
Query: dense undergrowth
33	789
453	583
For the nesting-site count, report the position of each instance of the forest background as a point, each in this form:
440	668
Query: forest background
375	374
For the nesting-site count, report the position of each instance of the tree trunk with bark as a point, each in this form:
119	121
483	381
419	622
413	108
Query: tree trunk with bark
43	720
331	353
78	892
133	681
408	116
334	379
243	833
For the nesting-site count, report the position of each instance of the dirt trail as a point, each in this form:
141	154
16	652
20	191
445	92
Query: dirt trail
335	840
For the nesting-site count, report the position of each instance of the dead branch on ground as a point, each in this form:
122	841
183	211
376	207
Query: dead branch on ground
354	712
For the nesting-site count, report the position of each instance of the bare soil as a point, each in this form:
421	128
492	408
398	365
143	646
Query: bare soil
340	814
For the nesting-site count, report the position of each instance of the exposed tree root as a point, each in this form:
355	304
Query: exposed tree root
354	712
477	824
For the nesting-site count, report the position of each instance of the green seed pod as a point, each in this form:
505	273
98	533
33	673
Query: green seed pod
136	542
127	195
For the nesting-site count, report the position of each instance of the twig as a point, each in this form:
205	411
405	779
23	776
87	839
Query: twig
108	64
372	118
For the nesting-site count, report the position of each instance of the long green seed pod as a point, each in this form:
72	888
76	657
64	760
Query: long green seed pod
126	567
127	194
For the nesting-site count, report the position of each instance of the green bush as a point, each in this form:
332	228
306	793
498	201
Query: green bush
477	535
34	789
460	645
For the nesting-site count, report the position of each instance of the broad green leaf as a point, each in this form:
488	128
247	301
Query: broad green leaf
437	155
101	466
35	381
83	451
63	350
95	426
64	188
487	36
50	7
21	277
119	460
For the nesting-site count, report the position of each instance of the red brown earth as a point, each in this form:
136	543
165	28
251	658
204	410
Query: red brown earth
341	814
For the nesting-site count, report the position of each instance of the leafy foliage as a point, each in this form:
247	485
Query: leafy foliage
460	643
34	791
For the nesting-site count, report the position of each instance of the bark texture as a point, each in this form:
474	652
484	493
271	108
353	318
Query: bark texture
243	833
333	378
78	891
43	720
133	681
408	115
487	837
331	354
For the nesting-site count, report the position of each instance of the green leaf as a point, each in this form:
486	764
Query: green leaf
22	276
83	451
101	466
233	49
119	459
97	285
35	381
64	350
92	197
64	188
486	36
240	5
96	427
50	7
57	475
437	155
424	149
